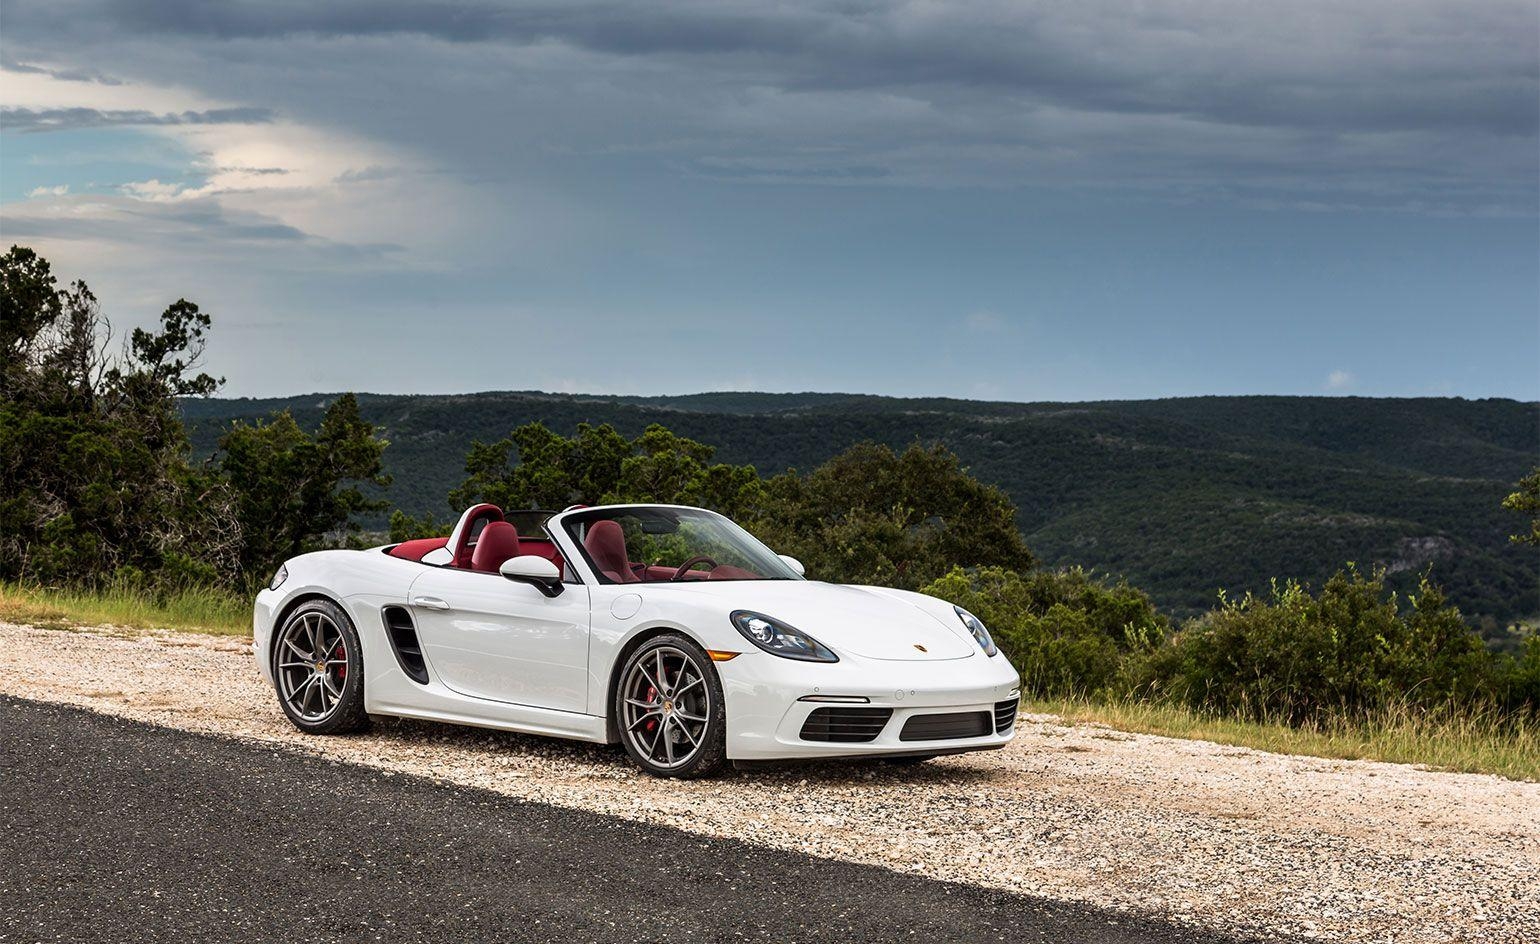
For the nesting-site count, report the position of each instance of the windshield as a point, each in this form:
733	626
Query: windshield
649	544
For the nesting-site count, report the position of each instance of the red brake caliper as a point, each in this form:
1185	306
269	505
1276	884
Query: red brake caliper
652	723
342	670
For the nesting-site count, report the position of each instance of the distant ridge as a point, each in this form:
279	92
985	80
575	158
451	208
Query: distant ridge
1183	496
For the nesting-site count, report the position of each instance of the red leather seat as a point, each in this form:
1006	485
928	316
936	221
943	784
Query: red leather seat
499	541
462	538
606	544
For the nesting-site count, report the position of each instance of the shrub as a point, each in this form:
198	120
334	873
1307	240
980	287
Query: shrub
1520	679
1069	633
1298	657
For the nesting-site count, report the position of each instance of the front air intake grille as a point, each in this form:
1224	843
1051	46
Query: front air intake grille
1005	715
957	724
403	641
845	725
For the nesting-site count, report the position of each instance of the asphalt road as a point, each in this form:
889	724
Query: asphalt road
112	830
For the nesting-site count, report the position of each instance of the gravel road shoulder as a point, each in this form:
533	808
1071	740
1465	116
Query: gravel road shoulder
1199	833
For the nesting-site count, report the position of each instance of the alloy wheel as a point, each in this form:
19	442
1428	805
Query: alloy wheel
312	665
665	707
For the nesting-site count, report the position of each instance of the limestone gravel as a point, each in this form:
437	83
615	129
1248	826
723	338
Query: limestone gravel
1223	837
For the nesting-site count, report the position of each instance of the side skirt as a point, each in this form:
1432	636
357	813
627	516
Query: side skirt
519	718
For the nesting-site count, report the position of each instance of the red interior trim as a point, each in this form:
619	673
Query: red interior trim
418	549
422	547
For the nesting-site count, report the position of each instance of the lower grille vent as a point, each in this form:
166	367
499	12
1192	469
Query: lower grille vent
403	640
1005	715
845	725
957	724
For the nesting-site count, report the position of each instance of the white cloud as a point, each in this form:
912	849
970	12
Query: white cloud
1339	380
322	182
155	190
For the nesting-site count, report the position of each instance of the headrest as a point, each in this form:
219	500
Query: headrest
499	541
465	530
606	544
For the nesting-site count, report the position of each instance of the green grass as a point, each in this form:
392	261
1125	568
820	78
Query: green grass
1470	742
197	609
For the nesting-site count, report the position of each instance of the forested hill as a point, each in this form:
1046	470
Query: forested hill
1183	496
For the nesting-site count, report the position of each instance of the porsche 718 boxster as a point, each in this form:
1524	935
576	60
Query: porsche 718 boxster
669	630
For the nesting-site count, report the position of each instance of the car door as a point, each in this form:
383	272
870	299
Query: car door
490	637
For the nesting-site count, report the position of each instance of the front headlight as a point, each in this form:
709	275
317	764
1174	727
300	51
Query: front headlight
279	577
976	627
778	639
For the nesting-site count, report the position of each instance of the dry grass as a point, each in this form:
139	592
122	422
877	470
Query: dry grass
1471	742
198	609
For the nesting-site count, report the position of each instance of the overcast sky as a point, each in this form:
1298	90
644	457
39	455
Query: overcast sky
1012	200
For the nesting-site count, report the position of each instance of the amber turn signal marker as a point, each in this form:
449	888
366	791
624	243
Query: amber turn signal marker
718	655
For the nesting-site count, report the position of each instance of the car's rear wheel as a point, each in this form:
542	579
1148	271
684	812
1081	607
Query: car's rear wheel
318	666
670	710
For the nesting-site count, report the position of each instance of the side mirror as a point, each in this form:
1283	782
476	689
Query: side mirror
530	569
793	563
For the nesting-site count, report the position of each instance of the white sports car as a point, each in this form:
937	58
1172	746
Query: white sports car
668	629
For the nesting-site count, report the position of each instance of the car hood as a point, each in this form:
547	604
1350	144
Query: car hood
863	621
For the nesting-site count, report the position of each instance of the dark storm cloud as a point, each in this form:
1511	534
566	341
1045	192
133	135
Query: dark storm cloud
197	222
1416	104
191	221
29	121
1327	66
615	27
63	75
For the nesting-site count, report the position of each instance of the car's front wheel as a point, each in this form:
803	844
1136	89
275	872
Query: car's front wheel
670	710
318	666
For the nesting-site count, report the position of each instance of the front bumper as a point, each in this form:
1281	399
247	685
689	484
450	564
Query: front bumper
765	716
263	611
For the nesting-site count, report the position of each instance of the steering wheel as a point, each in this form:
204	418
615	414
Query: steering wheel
697	559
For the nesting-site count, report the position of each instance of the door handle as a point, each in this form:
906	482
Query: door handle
430	603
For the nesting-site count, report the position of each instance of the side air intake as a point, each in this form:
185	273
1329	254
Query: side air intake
403	642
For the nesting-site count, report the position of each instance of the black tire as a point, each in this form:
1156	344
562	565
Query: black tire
710	753
910	760
337	690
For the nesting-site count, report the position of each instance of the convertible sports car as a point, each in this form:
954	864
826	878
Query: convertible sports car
668	629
